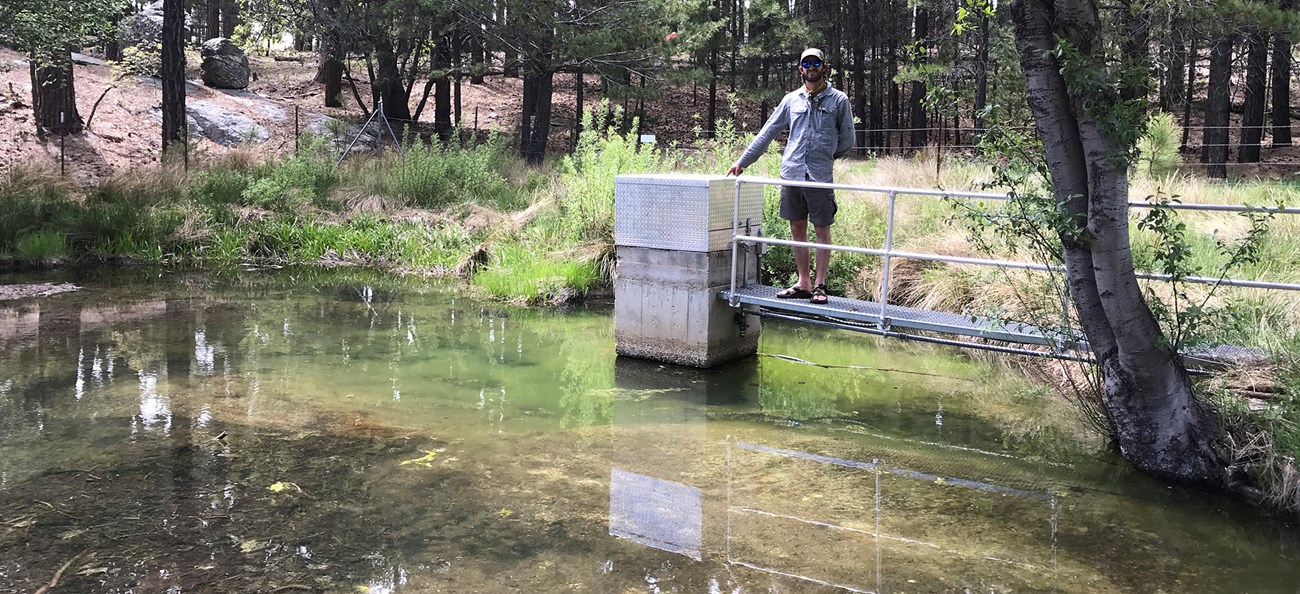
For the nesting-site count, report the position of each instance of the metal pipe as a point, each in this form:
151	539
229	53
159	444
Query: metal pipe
919	338
1204	280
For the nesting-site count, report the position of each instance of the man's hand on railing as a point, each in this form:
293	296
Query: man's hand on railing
736	170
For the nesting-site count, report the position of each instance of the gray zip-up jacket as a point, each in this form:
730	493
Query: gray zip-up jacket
821	130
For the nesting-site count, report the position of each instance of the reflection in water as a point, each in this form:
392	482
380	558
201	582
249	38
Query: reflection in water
883	534
656	513
257	435
154	412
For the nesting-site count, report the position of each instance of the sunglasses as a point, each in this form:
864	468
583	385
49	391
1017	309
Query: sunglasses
814	63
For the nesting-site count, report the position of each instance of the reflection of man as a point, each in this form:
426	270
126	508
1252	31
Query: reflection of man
820	121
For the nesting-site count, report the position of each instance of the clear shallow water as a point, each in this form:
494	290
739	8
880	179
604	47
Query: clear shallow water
350	432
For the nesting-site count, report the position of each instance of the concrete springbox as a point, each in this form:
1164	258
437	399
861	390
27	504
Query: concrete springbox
672	236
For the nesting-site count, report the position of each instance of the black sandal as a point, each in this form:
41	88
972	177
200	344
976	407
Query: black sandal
818	296
794	293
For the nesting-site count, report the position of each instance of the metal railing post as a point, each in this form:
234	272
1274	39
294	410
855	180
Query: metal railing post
883	324
732	299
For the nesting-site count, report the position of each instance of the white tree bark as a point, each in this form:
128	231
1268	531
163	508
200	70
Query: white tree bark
1159	424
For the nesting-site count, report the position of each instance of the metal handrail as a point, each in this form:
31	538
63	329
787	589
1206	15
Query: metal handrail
888	253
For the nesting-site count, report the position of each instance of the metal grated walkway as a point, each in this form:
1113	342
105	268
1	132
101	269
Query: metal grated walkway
861	312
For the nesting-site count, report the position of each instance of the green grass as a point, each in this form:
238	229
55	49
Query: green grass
527	275
46	243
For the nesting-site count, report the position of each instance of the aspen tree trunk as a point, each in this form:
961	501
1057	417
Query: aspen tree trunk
1159	424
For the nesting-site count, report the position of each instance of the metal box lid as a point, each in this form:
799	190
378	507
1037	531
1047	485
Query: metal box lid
676	211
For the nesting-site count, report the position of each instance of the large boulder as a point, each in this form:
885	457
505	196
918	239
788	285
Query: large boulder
145	28
220	125
224	65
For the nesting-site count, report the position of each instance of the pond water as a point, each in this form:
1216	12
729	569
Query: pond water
300	431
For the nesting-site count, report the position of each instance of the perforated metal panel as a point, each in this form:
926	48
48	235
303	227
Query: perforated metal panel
681	212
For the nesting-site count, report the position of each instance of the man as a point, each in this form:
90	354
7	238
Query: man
820	122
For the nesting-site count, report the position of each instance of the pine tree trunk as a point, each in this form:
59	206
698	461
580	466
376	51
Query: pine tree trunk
330	70
229	17
916	101
509	57
1282	89
442	91
477	56
113	45
859	51
711	121
388	83
1214	143
212	19
981	73
54	94
1175	50
875	110
1193	56
330	73
535	121
173	77
1252	115
578	106
458	71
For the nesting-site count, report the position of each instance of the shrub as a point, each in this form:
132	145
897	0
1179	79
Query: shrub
1158	148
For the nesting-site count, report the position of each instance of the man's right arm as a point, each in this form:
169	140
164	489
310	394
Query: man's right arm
779	121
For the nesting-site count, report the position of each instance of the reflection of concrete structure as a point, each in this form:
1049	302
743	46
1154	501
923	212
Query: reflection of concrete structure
656	513
662	447
19	322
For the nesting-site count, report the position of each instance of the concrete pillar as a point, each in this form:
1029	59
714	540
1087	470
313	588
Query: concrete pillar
672	234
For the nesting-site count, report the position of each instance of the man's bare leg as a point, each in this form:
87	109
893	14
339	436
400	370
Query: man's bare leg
799	232
823	256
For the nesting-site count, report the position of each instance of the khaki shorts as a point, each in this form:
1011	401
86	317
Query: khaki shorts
813	204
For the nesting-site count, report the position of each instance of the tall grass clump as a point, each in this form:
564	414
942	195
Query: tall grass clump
290	184
435	176
135	214
46	243
219	186
31	198
527	274
587	177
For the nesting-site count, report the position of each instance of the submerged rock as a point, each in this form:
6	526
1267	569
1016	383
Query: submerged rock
8	292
